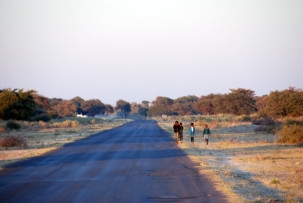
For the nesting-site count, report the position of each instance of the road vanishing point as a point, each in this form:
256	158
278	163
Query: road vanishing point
137	162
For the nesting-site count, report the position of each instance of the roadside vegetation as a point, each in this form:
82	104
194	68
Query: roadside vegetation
255	152
250	158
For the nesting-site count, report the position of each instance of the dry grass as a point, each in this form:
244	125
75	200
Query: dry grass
280	167
247	166
12	141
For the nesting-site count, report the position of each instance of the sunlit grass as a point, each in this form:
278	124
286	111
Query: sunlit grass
247	166
41	138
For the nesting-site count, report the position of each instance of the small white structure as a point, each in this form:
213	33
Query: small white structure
164	116
81	116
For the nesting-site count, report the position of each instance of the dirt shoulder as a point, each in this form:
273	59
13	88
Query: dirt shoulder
43	138
248	166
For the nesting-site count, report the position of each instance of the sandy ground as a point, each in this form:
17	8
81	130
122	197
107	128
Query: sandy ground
248	166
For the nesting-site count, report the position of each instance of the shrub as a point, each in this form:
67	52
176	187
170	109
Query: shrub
42	117
65	124
243	118
292	122
43	124
2	130
266	121
266	125
291	134
12	125
74	124
262	128
12	141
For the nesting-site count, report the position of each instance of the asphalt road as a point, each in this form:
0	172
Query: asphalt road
137	162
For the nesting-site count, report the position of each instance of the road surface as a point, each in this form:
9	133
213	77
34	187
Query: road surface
136	162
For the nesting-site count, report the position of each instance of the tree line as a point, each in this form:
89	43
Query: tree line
18	104
277	104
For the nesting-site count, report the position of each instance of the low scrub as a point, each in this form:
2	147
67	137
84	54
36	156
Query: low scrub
12	141
65	124
266	125
12	125
243	118
266	121
42	117
292	122
291	133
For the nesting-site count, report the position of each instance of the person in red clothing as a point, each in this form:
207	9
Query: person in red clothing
176	128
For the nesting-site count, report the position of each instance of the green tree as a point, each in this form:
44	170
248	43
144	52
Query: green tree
124	107
187	99
65	108
161	106
145	103
288	102
143	111
240	101
43	108
78	101
205	107
93	107
108	109
17	105
185	105
261	105
7	99
210	104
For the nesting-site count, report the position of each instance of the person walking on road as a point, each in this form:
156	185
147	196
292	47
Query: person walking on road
181	133
206	134
176	128
192	131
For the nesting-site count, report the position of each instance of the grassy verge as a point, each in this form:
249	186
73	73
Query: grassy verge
43	137
245	165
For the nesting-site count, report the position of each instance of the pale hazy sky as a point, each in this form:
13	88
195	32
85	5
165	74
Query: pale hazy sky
138	49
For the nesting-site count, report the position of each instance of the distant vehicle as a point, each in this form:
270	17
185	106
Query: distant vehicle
81	116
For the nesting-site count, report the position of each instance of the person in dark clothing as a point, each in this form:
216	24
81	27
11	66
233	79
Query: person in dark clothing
176	128
181	133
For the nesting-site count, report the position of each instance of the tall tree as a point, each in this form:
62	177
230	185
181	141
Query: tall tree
261	105
78	101
161	106
143	111
18	105
65	108
93	107
109	109
135	107
124	107
43	110
185	105
209	104
145	103
288	102
240	101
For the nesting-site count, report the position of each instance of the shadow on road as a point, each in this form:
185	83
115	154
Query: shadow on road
55	159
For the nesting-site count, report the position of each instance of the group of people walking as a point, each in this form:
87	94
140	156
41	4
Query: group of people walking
178	129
